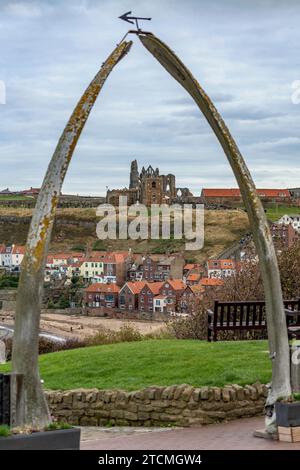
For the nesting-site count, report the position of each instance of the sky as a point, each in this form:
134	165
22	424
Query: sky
246	56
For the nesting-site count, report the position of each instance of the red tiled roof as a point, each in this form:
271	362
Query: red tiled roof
211	281
189	266
61	255
235	192
176	284
75	265
193	277
31	190
92	259
18	250
101	287
155	286
220	264
136	286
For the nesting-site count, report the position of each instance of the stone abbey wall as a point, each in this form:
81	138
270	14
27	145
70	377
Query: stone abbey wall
178	405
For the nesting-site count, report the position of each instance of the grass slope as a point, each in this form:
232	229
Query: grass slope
274	213
76	226
131	366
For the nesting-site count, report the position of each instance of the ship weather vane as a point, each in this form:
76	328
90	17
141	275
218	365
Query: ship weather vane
133	19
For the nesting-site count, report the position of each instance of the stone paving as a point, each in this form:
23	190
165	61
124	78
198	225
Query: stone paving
237	435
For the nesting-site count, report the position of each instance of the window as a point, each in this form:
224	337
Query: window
153	184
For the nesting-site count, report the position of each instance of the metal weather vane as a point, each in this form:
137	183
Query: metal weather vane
133	19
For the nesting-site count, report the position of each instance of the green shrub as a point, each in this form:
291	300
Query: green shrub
56	425
5	430
78	248
99	246
127	333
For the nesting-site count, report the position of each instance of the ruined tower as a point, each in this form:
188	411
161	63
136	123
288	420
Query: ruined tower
134	175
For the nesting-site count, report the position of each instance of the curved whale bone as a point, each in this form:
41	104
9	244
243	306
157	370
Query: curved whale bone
276	322
35	411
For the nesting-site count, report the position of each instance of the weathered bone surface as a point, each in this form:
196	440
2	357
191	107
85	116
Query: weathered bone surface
2	352
277	331
25	345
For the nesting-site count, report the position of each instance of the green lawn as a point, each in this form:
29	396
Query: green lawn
131	366
274	213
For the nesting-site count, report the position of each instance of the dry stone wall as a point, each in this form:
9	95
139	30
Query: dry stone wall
178	405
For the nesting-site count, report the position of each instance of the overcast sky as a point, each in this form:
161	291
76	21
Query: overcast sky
246	56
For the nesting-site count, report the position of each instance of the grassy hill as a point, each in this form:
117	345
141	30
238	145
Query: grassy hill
77	227
131	366
274	213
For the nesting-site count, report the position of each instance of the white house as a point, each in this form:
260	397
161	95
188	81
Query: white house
91	268
290	219
159	303
221	268
17	255
6	256
11	256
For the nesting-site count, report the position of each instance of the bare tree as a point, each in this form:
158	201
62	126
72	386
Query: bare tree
27	321
277	332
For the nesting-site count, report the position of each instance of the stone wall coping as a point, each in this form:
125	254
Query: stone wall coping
186	392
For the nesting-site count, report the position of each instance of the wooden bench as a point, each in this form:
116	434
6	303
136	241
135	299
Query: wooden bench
248	316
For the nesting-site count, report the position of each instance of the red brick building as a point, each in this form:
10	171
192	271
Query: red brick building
129	295
101	298
232	196
190	298
157	268
193	279
147	294
284	236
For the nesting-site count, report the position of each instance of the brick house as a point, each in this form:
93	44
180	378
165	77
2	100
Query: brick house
171	291
129	295
157	268
284	236
193	279
101	296
189	297
147	294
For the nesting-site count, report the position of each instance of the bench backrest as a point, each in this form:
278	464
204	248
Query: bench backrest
247	314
